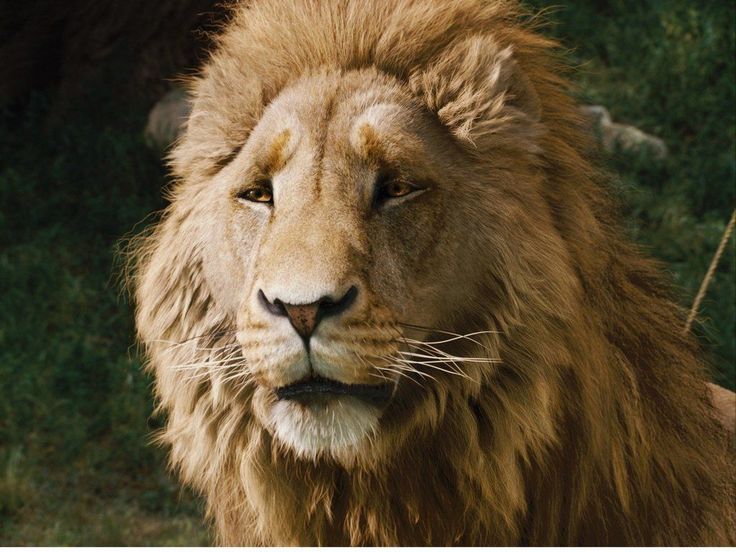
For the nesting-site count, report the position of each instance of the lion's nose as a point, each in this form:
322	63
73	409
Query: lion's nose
306	317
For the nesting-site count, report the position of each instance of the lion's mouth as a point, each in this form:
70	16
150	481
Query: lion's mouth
316	388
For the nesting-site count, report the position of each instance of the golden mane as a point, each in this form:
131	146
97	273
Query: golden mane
613	442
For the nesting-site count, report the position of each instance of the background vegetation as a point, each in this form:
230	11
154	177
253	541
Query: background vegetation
75	464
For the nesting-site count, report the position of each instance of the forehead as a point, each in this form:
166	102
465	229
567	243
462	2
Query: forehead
326	97
360	110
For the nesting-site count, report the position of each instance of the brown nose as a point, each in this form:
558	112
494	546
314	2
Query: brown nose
306	317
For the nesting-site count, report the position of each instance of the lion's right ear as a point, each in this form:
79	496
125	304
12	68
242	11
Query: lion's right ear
477	89
222	116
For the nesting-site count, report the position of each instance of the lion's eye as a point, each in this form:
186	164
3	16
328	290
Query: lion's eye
260	193
388	188
397	188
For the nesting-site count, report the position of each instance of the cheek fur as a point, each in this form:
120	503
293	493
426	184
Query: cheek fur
410	242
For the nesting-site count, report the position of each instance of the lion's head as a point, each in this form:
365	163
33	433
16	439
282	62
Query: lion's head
384	244
362	245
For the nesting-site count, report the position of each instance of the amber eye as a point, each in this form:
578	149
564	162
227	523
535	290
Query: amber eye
259	193
397	188
390	186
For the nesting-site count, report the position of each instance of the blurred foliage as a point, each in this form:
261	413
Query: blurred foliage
75	463
75	401
667	67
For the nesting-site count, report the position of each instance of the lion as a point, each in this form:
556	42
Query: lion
390	304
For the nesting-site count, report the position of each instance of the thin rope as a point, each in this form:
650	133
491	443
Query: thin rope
709	275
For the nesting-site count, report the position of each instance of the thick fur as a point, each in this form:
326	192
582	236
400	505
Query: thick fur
596	425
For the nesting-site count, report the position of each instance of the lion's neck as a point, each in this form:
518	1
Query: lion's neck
437	490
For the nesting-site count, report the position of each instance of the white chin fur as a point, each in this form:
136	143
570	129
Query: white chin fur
338	428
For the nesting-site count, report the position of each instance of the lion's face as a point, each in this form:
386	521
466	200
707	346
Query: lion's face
358	235
338	236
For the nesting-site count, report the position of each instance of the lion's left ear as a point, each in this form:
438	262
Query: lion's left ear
477	89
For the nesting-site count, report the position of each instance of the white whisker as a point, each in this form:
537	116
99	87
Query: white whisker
451	358
456	338
397	366
437	365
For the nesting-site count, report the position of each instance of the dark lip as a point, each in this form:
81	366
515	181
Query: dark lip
316	387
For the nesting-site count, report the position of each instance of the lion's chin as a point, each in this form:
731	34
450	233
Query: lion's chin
338	428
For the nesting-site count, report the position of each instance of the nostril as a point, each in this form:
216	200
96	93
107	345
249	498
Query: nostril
328	307
276	307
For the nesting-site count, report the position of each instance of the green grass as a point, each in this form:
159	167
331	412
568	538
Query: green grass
667	67
75	401
75	464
